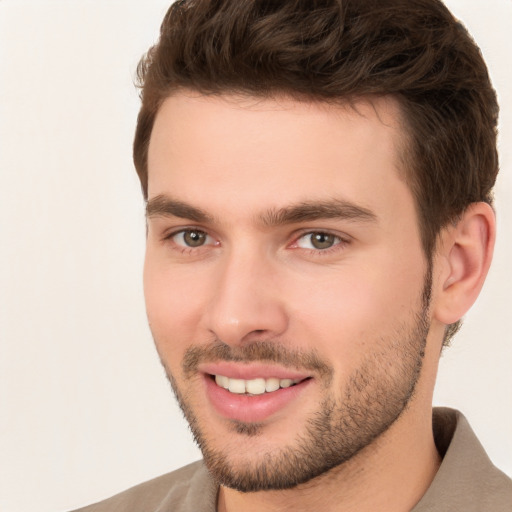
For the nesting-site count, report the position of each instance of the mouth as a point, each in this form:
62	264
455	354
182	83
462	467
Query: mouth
254	387
253	393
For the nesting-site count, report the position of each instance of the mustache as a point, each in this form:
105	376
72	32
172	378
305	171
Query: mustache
260	351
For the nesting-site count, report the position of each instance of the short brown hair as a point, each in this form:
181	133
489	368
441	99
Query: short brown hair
337	50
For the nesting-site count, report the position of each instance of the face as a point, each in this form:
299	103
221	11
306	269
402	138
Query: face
285	282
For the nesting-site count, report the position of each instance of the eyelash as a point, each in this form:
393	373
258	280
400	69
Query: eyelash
339	244
183	248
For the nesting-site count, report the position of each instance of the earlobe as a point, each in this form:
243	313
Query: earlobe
465	254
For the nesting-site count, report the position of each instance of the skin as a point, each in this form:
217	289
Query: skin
241	160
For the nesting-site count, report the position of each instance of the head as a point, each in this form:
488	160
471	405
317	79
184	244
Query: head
406	64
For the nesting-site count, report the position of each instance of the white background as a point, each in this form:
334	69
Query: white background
85	410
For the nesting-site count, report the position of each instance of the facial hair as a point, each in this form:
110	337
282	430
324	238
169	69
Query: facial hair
376	394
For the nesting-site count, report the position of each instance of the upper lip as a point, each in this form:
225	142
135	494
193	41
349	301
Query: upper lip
248	371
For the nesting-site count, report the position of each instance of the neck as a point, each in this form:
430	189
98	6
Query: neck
391	474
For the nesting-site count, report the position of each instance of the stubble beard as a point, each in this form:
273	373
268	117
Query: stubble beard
377	393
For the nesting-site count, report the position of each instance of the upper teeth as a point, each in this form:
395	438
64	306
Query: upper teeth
253	386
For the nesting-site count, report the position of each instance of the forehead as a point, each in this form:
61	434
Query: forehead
231	150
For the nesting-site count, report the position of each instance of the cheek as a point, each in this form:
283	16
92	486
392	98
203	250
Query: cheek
347	312
173	306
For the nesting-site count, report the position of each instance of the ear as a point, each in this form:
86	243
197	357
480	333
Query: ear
464	256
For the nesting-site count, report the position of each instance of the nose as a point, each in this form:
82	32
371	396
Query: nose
246	303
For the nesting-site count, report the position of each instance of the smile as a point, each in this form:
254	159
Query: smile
257	386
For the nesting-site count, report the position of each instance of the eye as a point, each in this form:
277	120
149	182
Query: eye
318	240
191	238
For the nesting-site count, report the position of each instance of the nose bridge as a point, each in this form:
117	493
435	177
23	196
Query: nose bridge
245	301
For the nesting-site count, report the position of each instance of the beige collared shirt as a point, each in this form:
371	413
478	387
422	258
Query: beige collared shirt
466	481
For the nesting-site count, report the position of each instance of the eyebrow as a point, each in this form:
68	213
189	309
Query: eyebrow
164	206
311	210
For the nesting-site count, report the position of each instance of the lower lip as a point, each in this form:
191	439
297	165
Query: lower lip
255	408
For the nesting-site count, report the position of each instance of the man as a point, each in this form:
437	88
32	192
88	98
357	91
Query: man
318	178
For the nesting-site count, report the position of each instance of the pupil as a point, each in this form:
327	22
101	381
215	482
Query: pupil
322	240
194	238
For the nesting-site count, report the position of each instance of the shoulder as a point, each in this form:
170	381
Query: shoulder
184	489
467	479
